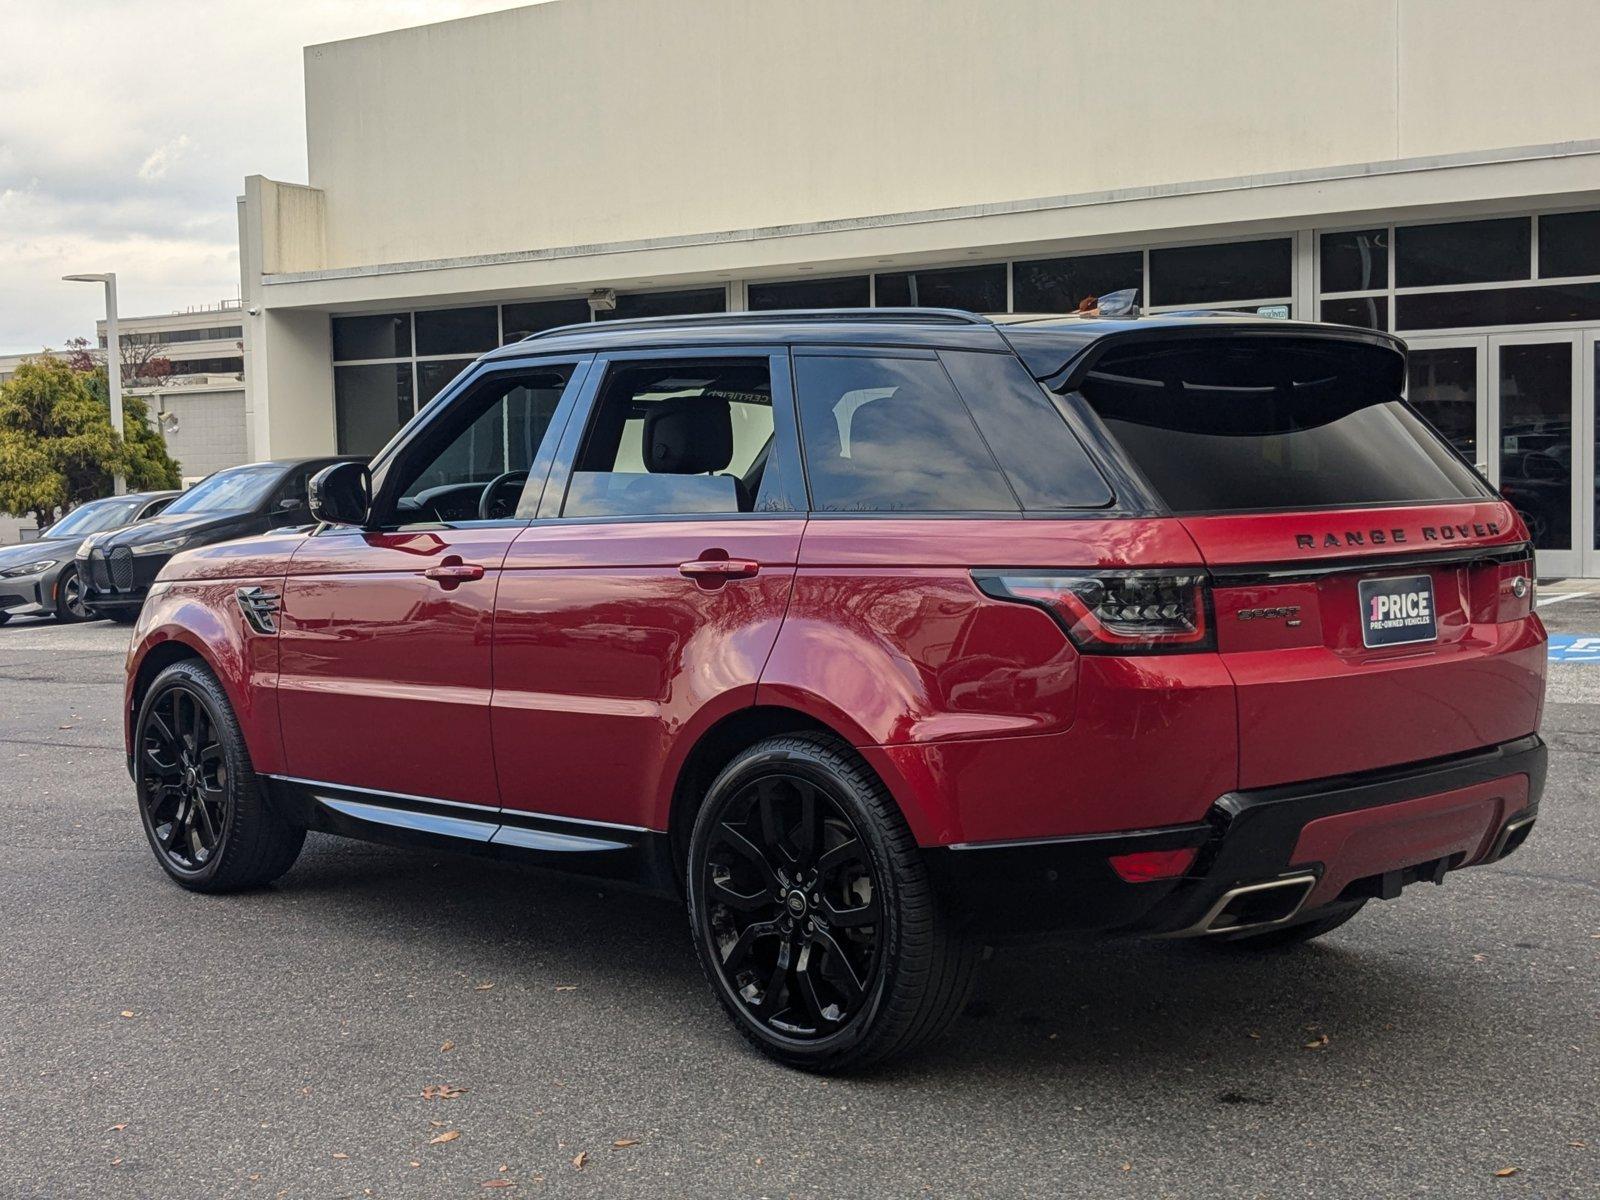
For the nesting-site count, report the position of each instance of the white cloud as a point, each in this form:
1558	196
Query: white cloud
118	153
163	157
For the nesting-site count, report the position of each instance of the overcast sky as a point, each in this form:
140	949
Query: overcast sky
126	130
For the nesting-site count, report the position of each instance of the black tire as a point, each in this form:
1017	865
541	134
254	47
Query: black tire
204	812
1287	936
814	984
69	598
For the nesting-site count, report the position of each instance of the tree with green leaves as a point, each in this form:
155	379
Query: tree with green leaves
57	447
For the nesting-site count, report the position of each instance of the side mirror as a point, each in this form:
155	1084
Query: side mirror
289	504
341	494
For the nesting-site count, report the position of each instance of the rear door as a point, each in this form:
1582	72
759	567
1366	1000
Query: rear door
640	606
1372	595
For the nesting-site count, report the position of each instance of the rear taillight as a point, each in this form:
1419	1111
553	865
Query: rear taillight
1514	590
1116	612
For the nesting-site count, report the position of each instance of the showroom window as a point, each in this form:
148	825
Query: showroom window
388	365
979	289
854	291
1228	272
1499	271
1055	285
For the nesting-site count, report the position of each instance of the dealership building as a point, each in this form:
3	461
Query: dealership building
1430	167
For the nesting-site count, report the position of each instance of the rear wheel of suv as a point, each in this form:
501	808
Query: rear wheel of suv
1292	935
203	809
812	911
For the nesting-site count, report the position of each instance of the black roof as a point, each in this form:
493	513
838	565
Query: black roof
1048	344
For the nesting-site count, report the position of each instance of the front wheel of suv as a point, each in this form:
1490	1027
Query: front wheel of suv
203	810
813	914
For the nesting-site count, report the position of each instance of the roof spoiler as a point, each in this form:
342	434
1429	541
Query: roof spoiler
1061	364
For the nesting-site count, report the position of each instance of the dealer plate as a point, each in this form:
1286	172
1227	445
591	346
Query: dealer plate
1398	611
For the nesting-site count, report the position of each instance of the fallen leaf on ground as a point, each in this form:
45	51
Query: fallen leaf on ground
118	1128
449	1135
1320	1041
566	987
1127	1166
441	1091
483	987
1506	1172
1580	1144
415	1163
128	1012
624	1143
341	1156
116	1162
1255	1035
579	1159
447	1047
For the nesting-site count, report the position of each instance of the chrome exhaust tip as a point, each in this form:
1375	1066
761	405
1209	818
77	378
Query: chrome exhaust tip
1255	906
1511	837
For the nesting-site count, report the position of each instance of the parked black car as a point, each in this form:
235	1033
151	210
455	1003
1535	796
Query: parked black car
42	578
118	569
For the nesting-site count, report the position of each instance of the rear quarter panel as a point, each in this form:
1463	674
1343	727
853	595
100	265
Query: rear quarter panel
978	714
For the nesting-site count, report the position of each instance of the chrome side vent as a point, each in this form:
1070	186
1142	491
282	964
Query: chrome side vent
260	608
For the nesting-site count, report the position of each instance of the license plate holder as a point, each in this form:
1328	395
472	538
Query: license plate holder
1398	611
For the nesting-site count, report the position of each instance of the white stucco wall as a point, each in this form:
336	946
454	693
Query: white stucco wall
584	121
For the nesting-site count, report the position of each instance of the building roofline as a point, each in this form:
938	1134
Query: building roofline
1589	147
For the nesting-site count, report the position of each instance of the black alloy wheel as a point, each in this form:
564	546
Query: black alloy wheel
69	597
184	788
795	908
202	807
812	912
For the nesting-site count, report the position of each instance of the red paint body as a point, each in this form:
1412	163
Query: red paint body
575	677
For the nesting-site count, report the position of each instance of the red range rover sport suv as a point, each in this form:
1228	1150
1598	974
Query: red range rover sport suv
877	637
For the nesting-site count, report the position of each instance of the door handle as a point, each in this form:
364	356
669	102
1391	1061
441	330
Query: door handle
453	574
712	572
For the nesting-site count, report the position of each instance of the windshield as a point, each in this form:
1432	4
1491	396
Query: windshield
237	490
95	517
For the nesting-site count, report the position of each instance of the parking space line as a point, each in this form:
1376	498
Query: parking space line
1563	598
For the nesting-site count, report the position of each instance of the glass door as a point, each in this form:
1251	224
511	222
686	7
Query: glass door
1589	456
1447	379
1535	457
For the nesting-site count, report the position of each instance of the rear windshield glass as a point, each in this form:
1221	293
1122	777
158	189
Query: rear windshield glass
1228	427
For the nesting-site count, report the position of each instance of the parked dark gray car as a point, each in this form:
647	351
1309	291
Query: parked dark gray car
41	577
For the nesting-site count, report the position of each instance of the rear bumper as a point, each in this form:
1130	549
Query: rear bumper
1365	835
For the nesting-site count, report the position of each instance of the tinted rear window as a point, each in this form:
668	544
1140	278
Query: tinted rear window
891	435
1231	427
1046	464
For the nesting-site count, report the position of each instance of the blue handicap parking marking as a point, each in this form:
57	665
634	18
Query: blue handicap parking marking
1575	647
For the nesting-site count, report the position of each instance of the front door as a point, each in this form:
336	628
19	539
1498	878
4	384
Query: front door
385	632
640	608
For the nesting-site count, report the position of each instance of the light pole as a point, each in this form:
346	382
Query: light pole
119	485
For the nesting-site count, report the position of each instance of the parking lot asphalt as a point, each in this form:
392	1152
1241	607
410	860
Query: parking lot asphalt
159	1044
